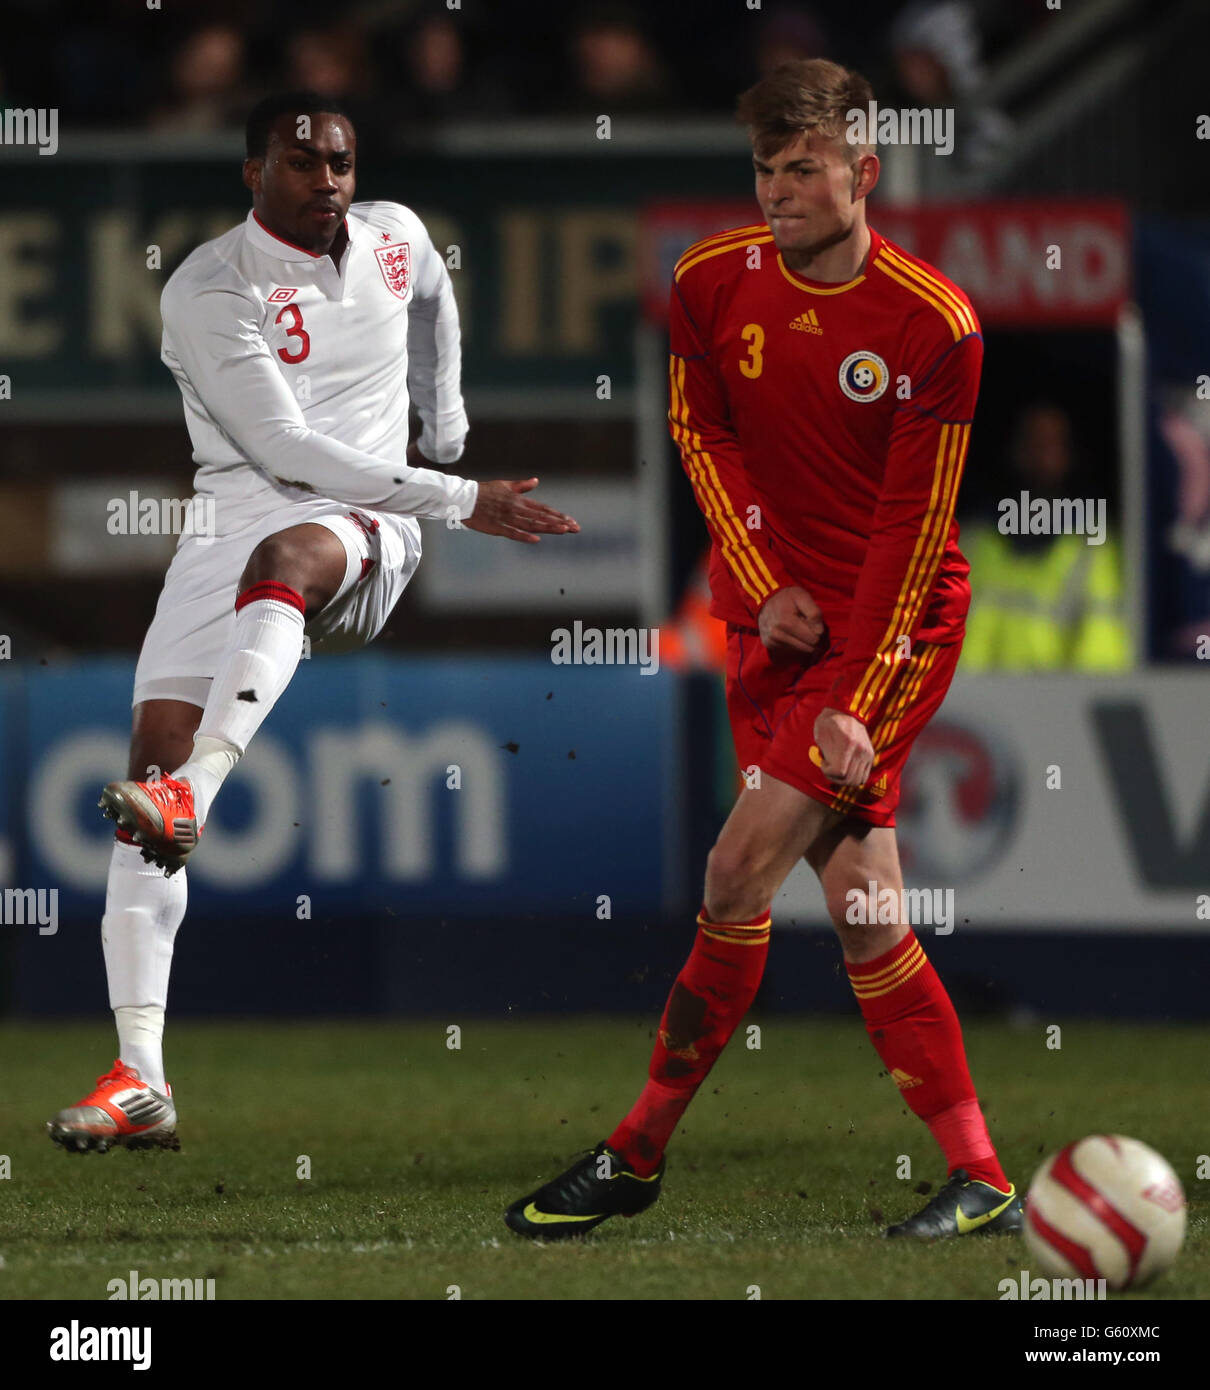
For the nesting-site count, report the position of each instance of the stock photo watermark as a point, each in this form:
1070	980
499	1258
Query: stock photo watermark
1052	516
148	1289
611	646
37	126
77	1342
29	907
135	515
911	125
1039	1288
918	907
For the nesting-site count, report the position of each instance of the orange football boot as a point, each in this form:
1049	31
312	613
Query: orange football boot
159	817
123	1110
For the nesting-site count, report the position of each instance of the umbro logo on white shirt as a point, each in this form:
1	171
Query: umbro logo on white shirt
283	295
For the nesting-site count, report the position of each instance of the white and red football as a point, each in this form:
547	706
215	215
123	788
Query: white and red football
1106	1207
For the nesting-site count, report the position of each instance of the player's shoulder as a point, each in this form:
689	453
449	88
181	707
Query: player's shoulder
933	300
214	265
382	216
719	256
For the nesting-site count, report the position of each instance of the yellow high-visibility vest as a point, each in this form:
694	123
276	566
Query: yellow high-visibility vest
1057	608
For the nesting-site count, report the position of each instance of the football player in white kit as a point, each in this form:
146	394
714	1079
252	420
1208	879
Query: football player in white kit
297	339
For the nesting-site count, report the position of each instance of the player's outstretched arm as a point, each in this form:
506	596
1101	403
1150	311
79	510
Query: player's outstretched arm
502	509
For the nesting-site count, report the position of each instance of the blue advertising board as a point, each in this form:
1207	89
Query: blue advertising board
443	786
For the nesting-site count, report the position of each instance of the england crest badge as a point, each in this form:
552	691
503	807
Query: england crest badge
395	262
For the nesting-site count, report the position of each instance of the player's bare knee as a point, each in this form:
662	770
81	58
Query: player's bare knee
867	928
728	869
849	900
310	559
838	906
276	559
734	882
287	559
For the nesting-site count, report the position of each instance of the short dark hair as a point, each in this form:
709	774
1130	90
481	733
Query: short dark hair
264	113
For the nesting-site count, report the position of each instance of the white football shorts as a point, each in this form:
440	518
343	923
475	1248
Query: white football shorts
195	614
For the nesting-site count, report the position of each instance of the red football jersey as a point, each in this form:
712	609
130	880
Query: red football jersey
824	429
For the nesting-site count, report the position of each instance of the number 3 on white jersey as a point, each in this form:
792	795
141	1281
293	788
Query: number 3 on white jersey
296	330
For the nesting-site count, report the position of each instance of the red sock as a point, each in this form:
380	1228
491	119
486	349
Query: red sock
914	1029
712	993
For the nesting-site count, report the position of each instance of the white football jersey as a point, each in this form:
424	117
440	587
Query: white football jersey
296	376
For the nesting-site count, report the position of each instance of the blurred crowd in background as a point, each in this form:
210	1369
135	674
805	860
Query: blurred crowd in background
406	68
197	65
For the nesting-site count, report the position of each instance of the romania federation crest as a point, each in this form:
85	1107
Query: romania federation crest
395	262
863	376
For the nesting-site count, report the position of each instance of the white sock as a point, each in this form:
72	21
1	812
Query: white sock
143	911
256	668
209	763
141	1041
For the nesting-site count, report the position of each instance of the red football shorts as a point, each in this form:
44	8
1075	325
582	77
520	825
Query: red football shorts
773	709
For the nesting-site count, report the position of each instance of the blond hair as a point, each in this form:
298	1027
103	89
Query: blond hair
807	96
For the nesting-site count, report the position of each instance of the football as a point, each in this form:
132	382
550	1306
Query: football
1106	1207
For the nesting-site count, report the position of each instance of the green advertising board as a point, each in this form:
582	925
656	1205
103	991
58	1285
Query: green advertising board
542	247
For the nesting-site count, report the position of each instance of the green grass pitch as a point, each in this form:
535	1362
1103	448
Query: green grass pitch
782	1171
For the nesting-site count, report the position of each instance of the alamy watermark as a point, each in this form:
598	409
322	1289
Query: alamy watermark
1052	516
1040	1288
134	515
148	1289
31	126
909	125
27	907
918	907
611	646
77	1342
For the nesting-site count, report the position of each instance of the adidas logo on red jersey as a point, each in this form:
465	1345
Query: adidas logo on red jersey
806	322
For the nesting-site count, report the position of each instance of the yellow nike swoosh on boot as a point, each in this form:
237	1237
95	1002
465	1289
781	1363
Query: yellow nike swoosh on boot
539	1218
966	1224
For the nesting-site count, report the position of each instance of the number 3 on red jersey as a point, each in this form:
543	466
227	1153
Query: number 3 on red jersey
754	335
296	330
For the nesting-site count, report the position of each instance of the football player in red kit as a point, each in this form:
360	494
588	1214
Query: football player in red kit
822	387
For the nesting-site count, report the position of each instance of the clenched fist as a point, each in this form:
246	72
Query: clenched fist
845	748
792	627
